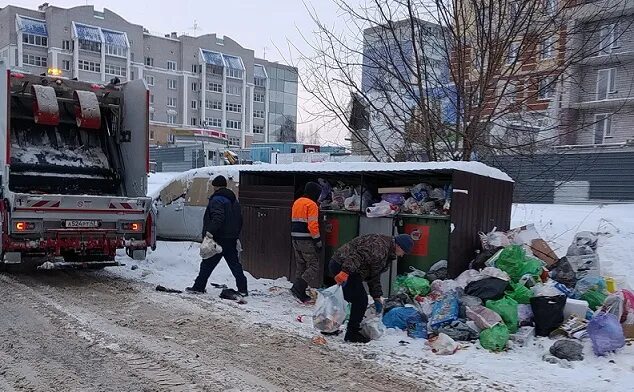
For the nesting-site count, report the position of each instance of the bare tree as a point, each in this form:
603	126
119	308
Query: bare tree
454	79
288	131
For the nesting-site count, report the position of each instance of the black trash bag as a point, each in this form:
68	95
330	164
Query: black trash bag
548	313
567	349
230	294
563	273
438	271
459	331
486	289
480	260
395	301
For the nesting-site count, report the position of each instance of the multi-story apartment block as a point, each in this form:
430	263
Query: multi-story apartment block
197	82
598	94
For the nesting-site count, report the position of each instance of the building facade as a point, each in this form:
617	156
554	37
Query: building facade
206	82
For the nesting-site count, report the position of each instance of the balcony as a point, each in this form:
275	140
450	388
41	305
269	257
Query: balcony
606	104
592	10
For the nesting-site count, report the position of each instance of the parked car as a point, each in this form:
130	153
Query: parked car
180	203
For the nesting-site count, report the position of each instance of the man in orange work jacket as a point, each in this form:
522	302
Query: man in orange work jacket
306	241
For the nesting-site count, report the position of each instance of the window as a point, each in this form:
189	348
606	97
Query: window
131	56
149	61
194	104
258	113
131	75
151	135
89	46
546	88
151	116
547	48
602	128
215	87
115	70
37	61
233	124
196	68
234	141
116	50
607	39
193	121
171	119
194	86
258	129
149	79
152	99
66	65
513	52
216	70
259	82
89	66
171	65
234	73
214	122
171	84
551	7
258	97
606	83
233	89
32	39
66	44
214	105
234	107
171	102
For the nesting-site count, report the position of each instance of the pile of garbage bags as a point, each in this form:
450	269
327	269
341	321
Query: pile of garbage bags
514	294
419	199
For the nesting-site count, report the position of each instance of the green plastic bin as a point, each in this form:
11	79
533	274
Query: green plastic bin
431	240
338	228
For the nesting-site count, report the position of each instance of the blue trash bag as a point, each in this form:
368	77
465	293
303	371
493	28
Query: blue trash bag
444	311
417	326
397	317
588	283
606	333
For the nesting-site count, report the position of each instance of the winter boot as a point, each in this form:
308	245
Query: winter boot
355	336
299	291
193	290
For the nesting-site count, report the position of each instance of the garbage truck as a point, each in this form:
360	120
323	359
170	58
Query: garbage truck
75	160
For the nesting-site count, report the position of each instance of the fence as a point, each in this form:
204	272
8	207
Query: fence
570	178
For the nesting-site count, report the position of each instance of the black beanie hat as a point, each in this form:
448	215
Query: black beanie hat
312	190
219	182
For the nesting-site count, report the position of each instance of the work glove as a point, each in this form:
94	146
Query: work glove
378	306
341	278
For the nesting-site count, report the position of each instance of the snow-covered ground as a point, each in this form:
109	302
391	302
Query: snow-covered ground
176	265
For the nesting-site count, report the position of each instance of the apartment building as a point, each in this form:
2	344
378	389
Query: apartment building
205	82
598	94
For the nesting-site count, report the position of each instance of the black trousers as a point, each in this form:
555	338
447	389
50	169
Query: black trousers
230	253
353	292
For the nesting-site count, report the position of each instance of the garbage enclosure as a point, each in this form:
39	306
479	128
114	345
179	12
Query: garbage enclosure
480	199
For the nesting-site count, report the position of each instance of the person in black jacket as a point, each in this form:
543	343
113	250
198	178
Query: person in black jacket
223	220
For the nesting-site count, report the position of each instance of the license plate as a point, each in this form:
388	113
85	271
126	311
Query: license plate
81	224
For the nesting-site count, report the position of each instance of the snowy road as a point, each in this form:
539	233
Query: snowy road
89	331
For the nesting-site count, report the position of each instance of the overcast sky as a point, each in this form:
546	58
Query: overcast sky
260	25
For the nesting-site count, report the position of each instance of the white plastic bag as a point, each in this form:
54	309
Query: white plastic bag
372	326
209	247
443	345
353	203
380	209
330	310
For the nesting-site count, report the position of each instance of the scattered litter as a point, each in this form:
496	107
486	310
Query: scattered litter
567	349
318	340
167	290
443	345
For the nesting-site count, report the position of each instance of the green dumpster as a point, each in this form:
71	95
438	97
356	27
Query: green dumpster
338	228
431	240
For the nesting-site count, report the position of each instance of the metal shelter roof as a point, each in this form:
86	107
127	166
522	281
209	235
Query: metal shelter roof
88	33
383	168
115	38
31	25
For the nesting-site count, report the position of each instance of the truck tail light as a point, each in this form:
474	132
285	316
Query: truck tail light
133	226
24	226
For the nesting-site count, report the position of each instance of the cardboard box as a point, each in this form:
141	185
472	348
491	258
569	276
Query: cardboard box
173	191
543	251
628	330
528	235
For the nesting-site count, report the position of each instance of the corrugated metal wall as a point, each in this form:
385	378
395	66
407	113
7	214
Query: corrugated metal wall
570	178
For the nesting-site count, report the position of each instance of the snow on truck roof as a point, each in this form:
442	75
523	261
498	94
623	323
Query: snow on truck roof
334	167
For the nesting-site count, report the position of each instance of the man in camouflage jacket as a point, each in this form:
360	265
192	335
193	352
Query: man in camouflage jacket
364	259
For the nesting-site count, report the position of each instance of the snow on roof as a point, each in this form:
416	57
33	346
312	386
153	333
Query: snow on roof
259	71
88	33
325	167
115	38
213	58
31	25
